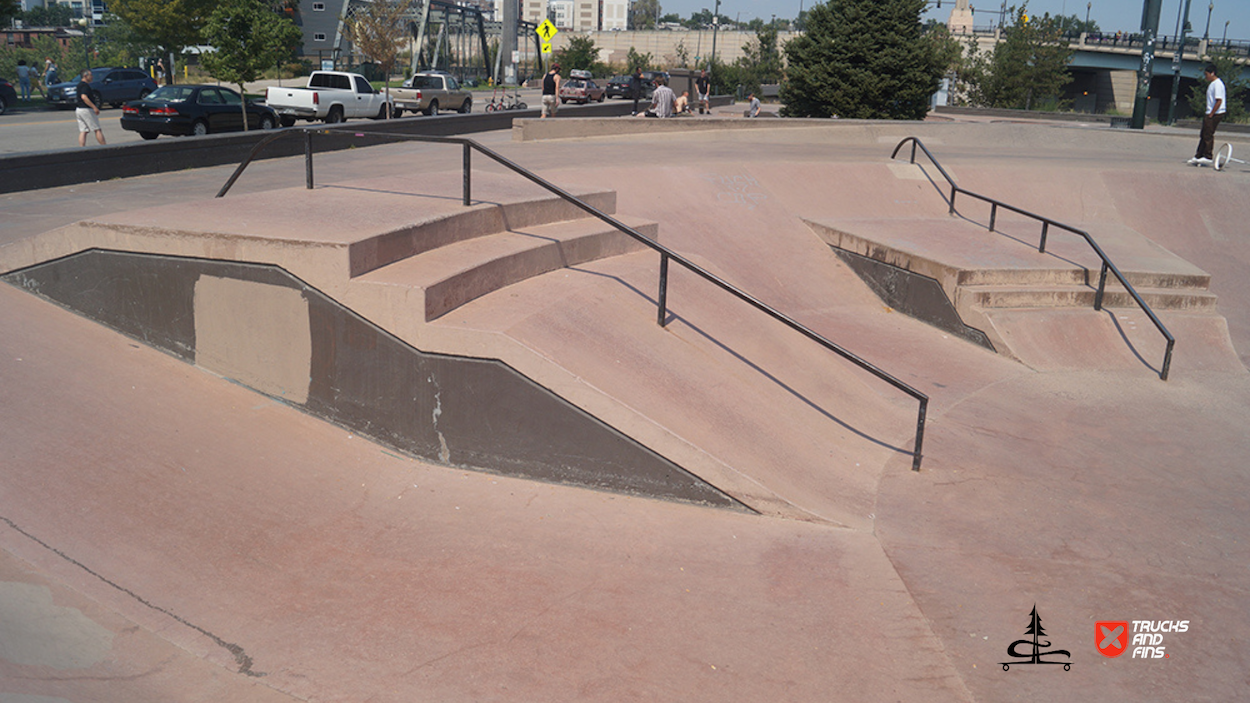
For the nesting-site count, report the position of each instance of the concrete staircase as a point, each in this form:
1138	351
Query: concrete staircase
948	269
462	270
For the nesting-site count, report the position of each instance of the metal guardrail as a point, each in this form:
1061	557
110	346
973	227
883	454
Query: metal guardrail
1047	223
666	254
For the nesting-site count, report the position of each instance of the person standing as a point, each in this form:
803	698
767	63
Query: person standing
636	87
23	78
703	86
551	91
1217	107
50	76
753	107
87	111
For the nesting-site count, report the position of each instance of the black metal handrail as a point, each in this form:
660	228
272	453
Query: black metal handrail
666	254
1047	223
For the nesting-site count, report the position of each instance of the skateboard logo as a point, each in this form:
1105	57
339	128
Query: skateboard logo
1111	637
1036	655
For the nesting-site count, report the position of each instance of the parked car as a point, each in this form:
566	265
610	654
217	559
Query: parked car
618	87
8	95
332	96
193	110
580	90
112	86
431	92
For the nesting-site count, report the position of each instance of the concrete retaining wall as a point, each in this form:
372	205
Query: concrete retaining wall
50	169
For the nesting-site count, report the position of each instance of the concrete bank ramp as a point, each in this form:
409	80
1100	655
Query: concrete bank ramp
501	336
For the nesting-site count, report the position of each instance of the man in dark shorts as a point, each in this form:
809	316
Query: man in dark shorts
87	111
703	85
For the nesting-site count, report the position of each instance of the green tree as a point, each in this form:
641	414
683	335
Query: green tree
8	10
1228	68
581	53
643	13
862	59
170	25
40	16
636	60
248	37
376	29
1028	68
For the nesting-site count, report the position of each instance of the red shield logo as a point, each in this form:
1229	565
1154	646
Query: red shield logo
1111	637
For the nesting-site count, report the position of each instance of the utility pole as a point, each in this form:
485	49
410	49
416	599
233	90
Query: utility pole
1182	25
715	26
1149	28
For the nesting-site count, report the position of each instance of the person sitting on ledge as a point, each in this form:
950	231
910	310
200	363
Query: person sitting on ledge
662	100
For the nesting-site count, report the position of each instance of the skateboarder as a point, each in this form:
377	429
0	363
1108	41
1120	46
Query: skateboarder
1216	108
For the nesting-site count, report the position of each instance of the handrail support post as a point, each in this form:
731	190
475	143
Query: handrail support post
664	290
1041	248
662	315
1102	286
467	175
954	190
308	159
993	215
916	456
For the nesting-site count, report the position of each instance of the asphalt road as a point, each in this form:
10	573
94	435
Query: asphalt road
24	131
43	130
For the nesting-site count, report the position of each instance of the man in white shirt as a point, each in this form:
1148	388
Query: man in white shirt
1217	107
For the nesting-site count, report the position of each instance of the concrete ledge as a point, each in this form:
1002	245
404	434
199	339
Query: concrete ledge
530	130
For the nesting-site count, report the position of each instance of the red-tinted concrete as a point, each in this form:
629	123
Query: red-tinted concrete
1095	492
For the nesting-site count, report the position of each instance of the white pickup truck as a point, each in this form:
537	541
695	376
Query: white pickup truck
332	96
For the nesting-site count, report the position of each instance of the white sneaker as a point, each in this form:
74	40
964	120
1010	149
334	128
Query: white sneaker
1203	162
1193	161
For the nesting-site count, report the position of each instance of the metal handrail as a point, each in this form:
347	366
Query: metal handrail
666	254
1047	223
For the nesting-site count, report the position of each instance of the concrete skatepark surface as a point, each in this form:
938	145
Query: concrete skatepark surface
169	535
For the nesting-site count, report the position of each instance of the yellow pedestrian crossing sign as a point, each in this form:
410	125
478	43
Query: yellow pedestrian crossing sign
546	30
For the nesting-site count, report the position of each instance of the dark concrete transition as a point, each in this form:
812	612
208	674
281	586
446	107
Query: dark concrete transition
455	410
912	294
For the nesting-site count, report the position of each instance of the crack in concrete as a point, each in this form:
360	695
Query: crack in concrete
240	656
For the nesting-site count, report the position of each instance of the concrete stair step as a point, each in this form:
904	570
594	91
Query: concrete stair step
458	272
382	249
1079	276
1081	296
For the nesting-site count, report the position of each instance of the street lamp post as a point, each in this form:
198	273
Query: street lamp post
1206	35
715	26
1224	41
1178	55
1088	6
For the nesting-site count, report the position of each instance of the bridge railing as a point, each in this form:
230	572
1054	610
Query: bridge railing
1047	223
666	255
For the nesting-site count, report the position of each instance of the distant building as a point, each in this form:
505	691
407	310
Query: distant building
614	15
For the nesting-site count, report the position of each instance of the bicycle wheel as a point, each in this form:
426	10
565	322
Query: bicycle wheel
1224	156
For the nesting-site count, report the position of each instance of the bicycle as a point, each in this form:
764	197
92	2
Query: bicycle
494	103
515	103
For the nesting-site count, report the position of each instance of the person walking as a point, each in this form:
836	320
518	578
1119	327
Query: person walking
87	111
703	85
551	91
1217	107
753	106
23	78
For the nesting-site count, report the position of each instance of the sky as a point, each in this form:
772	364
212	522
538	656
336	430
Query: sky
1111	15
